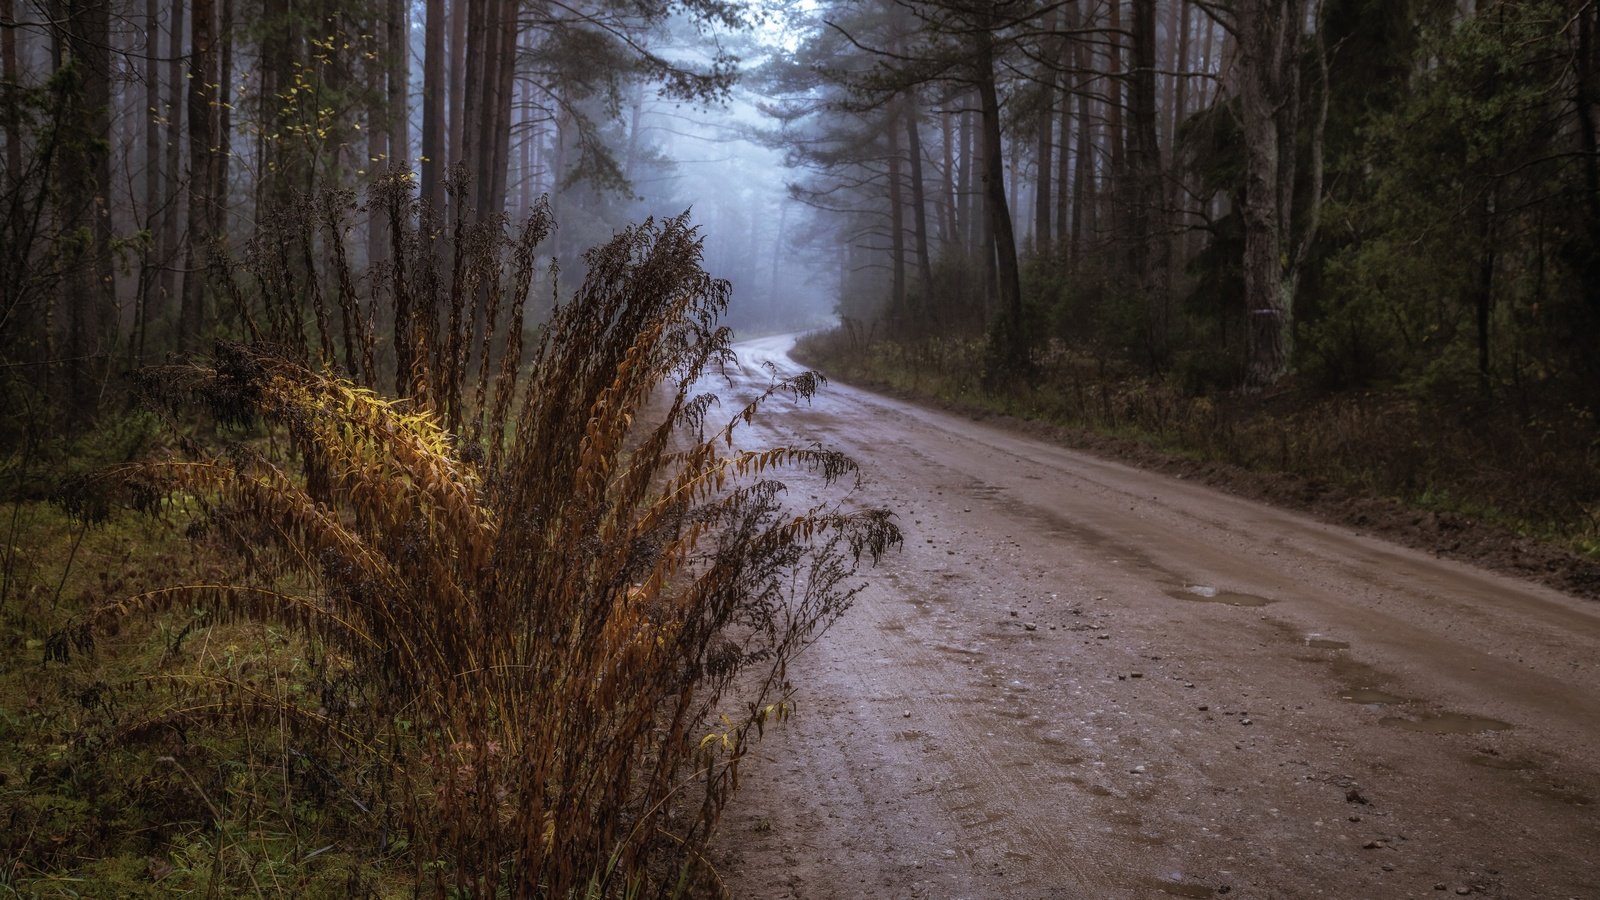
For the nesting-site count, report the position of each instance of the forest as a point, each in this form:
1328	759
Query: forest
381	517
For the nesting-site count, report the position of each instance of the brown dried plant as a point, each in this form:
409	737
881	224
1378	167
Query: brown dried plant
556	598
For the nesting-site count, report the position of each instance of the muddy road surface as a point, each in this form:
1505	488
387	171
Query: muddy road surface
1083	680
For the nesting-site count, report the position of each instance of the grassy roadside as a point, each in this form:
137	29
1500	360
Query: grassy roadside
1520	494
87	810
296	637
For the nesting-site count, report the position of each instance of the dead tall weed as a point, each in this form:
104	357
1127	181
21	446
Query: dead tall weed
554	598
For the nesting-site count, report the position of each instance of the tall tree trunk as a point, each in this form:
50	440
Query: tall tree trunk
630	159
388	138
919	206
459	13
1148	230
473	107
1013	350
1083	177
8	71
897	227
1270	36
1063	177
152	182
224	150
177	102
1066	88
1180	78
1178	199
499	160
525	148
1043	203
398	121
377	161
1586	95
1483	293
775	290
283	166
1042	199
89	286
433	158
1116	70
491	45
948	222
983	224
541	159
964	192
202	75
1015	192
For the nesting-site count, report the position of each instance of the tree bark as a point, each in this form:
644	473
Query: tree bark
222	157
1116	70
1083	199
1586	96
965	218
473	107
1180	87
950	226
982	223
1148	231
525	150
202	75
89	295
1042	200
897	231
919	206
459	13
433	93
176	104
8	70
1013	350
398	121
1064	98
505	71
1270	36
1483	293
152	181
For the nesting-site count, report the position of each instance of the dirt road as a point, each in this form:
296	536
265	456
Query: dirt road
1084	680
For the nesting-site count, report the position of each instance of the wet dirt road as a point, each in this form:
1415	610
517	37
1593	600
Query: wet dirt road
1084	680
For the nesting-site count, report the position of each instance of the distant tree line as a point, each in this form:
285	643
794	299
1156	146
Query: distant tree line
1362	192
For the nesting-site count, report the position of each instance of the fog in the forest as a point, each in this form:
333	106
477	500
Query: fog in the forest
712	160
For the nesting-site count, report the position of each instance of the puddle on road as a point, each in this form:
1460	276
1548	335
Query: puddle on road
1104	544
1205	593
1183	888
1446	723
985	491
1560	793
1502	763
1097	790
1367	696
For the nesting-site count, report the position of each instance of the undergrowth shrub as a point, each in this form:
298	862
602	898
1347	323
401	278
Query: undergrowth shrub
554	601
1433	444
